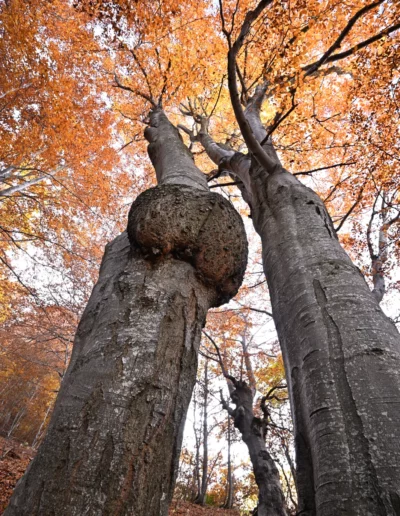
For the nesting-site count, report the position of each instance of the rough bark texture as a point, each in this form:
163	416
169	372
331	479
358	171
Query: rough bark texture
196	226
113	442
270	497
122	405
342	356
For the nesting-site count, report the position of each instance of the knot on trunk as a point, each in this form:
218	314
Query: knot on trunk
192	225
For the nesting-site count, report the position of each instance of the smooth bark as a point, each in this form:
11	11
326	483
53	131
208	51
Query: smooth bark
201	495
229	491
341	353
342	356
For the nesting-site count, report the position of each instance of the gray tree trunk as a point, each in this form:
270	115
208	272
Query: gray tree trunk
229	495
253	430
342	356
113	442
201	495
341	353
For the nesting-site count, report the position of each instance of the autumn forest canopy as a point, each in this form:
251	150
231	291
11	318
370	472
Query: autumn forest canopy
289	113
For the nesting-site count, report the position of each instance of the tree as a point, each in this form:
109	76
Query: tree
341	371
253	430
298	87
202	491
121	408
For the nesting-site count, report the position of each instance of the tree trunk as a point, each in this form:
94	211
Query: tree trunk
270	497
201	496
341	353
342	356
229	495
113	443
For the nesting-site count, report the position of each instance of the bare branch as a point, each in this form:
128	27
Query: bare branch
306	173
351	209
359	46
135	92
221	362
310	69
253	145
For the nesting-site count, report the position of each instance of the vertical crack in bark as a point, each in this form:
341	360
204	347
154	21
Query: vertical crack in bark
304	471
364	480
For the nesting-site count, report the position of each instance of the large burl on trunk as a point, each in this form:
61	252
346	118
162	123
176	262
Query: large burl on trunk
114	439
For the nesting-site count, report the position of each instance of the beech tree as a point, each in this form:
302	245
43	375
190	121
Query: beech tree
293	91
120	412
342	372
253	430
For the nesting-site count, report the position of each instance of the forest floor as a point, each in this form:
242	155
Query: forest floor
15	457
181	508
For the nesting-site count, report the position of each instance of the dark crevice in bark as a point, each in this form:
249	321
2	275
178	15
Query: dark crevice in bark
358	445
304	463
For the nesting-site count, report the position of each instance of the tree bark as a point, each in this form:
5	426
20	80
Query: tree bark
341	353
201	496
270	497
229	491
113	443
342	356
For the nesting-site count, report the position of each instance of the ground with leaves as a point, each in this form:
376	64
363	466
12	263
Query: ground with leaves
14	459
181	508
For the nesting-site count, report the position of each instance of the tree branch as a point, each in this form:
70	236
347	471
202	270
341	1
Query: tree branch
135	92
359	46
253	145
306	173
310	69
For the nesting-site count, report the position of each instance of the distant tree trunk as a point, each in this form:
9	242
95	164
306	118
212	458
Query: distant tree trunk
196	485
201	496
41	428
271	501
229	492
113	442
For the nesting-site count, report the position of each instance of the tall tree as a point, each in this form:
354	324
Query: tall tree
253	430
341	352
202	492
114	438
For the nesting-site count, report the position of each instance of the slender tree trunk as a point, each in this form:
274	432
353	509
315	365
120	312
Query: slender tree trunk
113	443
196	470
270	497
39	433
201	496
229	495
